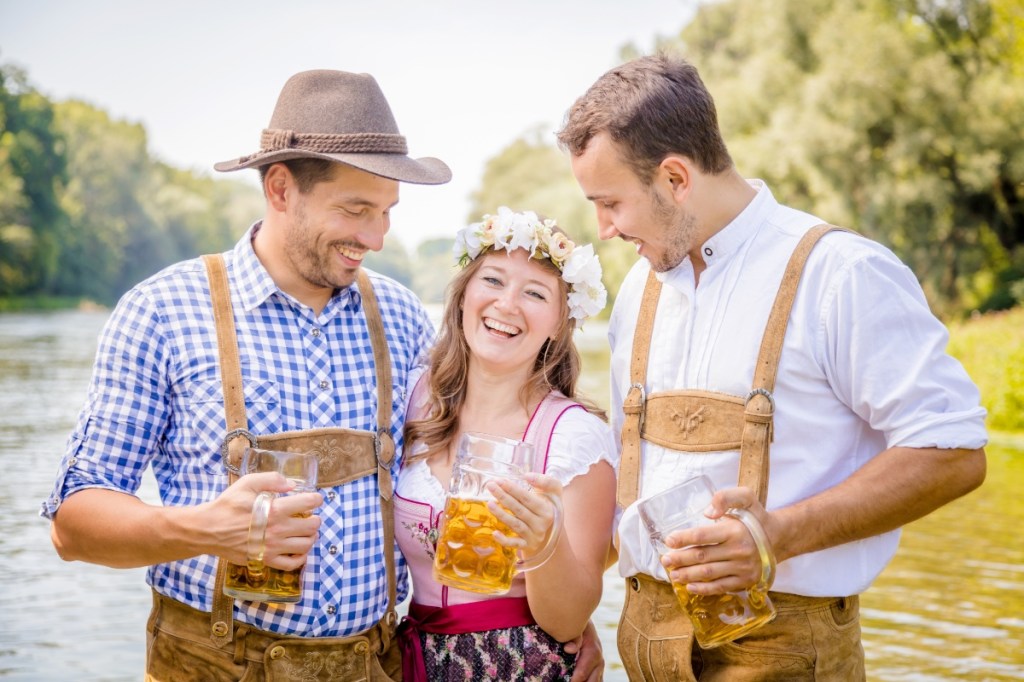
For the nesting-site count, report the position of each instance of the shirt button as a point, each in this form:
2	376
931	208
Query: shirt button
708	251
331	610
324	384
331	495
332	550
72	461
316	332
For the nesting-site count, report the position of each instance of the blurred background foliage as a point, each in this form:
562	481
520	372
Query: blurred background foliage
901	119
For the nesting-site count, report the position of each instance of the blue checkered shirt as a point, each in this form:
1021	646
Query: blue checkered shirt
155	400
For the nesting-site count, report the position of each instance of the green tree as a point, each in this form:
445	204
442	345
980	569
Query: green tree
532	174
899	118
434	269
392	260
32	174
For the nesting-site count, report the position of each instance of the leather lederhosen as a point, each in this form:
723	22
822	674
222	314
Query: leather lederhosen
693	422
343	455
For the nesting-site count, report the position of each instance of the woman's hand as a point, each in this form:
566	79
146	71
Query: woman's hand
528	512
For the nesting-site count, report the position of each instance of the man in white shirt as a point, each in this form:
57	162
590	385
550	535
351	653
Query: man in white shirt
871	425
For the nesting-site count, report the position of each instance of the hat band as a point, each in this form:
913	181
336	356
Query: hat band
273	140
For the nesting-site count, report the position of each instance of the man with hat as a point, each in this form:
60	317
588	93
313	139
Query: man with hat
284	342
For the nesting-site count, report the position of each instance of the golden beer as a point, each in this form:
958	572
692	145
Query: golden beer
258	582
262	583
468	557
722	618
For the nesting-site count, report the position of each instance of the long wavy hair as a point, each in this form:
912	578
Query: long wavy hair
557	366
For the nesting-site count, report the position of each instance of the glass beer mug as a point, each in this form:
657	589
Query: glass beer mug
468	557
720	618
256	581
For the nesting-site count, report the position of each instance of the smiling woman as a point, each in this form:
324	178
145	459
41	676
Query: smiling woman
505	365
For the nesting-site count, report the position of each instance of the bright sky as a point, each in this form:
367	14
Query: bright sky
464	77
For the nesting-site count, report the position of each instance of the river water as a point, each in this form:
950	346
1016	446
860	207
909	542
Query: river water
949	607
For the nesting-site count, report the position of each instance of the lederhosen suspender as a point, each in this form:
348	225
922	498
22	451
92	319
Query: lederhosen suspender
343	455
703	421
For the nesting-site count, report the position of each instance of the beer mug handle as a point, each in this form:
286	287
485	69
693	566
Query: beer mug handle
541	557
257	539
763	549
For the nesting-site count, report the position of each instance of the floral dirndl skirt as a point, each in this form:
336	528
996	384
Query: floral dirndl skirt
520	654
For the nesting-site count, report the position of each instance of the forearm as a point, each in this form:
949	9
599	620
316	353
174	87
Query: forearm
564	592
898	486
119	530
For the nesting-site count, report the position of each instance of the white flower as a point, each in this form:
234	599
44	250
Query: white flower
467	243
510	230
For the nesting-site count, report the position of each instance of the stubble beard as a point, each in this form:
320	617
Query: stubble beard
680	229
310	263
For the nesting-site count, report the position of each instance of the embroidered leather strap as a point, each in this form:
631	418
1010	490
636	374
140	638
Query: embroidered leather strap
385	445
238	437
758	428
636	398
664	417
222	616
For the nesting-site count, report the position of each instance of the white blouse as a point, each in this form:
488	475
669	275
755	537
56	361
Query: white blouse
579	441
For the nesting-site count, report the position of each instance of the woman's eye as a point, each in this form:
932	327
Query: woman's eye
492	280
538	295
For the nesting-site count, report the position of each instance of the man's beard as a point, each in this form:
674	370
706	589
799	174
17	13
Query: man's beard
311	264
679	228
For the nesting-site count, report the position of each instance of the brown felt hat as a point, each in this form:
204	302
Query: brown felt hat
341	117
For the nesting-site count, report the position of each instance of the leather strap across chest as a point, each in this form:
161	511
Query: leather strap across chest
704	421
343	455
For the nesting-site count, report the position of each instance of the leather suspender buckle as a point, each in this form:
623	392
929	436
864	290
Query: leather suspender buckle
378	448
766	393
253	442
640	407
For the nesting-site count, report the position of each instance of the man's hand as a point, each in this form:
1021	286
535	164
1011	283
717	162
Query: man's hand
291	527
720	557
589	655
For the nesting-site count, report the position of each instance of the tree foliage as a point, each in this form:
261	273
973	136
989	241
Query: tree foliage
86	211
532	174
899	118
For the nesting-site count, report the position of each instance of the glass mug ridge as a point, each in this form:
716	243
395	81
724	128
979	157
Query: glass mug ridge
716	619
468	557
255	581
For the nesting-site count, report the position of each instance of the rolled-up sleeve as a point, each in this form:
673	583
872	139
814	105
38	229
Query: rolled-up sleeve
886	359
126	410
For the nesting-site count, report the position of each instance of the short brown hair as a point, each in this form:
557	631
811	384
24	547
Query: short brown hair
651	107
306	171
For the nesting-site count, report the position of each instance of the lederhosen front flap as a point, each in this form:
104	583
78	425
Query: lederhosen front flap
343	455
693	421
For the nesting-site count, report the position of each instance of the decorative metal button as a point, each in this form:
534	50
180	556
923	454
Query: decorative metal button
634	582
324	384
708	251
316	332
331	610
332	550
220	628
362	648
331	495
277	652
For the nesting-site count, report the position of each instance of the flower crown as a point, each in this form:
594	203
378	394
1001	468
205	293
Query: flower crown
510	230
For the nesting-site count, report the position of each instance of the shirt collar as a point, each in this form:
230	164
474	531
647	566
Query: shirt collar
730	238
254	284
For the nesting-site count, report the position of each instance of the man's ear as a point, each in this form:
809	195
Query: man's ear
276	183
676	174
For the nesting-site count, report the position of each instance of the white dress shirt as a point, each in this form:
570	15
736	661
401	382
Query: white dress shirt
863	368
